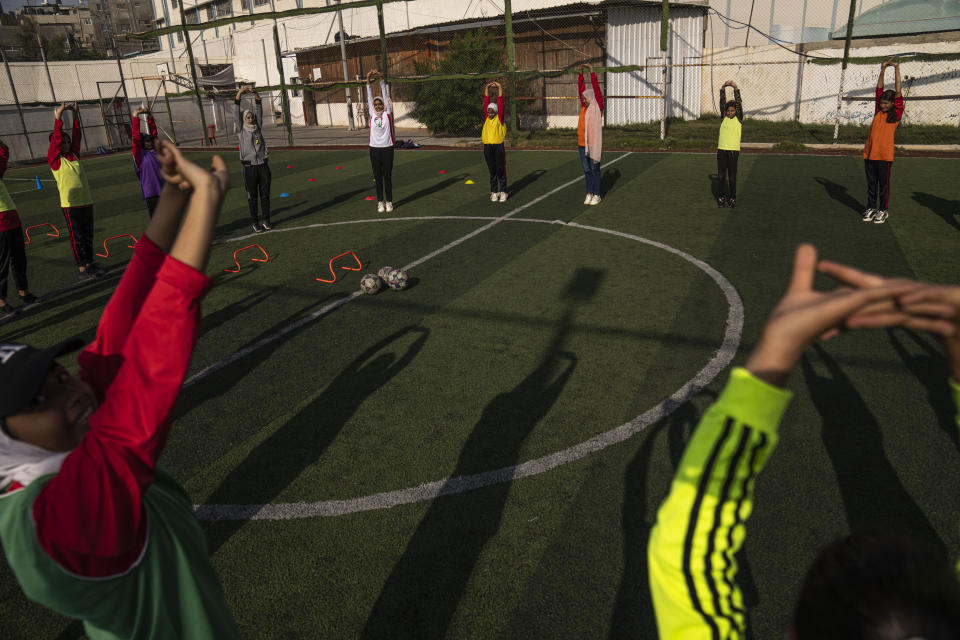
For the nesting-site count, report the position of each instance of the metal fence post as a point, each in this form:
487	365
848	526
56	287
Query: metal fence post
193	72
16	99
383	41
511	69
43	57
284	100
843	68
166	98
346	75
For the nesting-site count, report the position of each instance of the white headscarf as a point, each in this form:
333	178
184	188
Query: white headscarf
22	462
593	127
492	106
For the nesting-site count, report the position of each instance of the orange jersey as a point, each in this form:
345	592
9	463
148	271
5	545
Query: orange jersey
581	128
879	144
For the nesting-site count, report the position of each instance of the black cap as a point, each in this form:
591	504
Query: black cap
23	370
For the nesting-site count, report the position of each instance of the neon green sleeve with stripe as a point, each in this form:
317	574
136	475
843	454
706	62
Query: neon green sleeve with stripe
701	524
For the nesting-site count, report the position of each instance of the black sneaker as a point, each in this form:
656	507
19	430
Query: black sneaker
257	228
731	202
6	310
721	203
266	225
28	299
93	270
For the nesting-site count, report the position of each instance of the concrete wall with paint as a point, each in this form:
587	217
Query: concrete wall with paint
780	85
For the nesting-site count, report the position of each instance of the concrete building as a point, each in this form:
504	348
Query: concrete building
72	25
116	18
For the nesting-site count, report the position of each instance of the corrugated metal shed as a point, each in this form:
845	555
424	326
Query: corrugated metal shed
633	38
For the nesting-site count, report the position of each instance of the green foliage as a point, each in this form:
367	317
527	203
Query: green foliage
454	106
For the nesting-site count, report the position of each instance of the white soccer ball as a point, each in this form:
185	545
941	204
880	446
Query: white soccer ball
370	283
384	272
396	280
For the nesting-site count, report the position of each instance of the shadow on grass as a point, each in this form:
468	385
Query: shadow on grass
245	223
332	202
873	497
13	330
932	370
233	310
516	187
949	210
714	185
434	188
424	588
608	179
283	456
839	193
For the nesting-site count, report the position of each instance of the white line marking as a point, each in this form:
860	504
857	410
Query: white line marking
356	294
448	486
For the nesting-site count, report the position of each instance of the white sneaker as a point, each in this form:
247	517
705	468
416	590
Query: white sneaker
588	198
595	199
380	207
389	207
494	196
503	196
868	215
881	216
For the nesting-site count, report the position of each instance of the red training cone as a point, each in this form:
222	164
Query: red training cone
289	166
339	167
370	198
443	170
311	179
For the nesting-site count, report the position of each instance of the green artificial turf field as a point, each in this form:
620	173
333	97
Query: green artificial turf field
527	343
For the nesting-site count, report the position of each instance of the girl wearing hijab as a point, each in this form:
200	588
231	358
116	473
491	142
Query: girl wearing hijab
590	134
381	141
494	131
253	156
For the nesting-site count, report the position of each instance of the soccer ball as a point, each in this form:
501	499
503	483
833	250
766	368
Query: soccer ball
384	272
396	279
370	283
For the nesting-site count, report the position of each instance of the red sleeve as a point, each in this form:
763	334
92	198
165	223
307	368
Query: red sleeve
581	85
53	151
76	136
151	126
137	142
486	103
499	107
100	361
876	101
4	158
90	517
596	90
898	107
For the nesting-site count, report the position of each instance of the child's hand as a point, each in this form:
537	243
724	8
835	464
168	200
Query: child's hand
803	315
63	105
185	175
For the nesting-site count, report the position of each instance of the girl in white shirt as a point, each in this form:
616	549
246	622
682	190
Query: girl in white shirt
381	142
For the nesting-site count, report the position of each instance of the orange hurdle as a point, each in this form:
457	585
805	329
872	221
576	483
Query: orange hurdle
55	234
347	253
122	235
265	257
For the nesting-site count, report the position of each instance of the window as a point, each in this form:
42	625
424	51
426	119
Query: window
260	3
211	12
180	37
223	8
87	21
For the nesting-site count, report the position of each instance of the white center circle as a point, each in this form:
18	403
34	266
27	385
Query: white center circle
458	484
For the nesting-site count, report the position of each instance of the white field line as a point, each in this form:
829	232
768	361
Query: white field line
448	486
339	303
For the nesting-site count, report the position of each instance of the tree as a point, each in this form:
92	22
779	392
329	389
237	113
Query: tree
454	106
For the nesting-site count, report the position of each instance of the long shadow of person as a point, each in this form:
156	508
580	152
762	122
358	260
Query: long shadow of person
434	188
932	370
873	497
839	193
424	588
513	188
282	457
949	210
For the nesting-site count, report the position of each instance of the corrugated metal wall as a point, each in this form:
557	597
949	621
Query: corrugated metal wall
633	37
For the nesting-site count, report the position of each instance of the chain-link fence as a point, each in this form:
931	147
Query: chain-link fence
661	84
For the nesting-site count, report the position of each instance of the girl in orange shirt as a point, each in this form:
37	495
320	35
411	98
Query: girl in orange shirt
878	151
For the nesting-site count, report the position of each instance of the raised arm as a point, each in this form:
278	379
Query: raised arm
56	139
370	93
701	524
90	516
385	92
737	101
151	125
238	113
137	137
581	85
4	158
258	108
76	131
598	94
